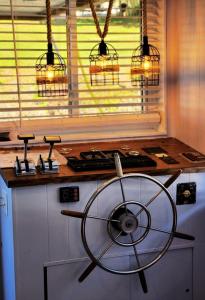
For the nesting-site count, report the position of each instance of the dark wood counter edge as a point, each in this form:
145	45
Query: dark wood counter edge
56	178
66	175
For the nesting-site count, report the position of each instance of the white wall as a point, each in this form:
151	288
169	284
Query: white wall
43	238
186	71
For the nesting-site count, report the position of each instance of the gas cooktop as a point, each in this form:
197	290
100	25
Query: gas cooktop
101	160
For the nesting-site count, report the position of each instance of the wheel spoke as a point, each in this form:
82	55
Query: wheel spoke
81	215
123	196
108	246
122	190
155	229
166	184
120	175
141	273
103	219
93	264
176	234
135	250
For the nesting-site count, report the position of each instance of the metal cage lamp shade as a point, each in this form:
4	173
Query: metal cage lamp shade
104	67
51	77
51	74
145	68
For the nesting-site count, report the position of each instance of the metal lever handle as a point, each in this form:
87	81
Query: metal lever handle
118	165
26	138
51	140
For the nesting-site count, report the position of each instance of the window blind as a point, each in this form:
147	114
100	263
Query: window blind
23	38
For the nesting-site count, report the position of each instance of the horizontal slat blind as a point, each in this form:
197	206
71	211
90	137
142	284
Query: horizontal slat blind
23	38
124	35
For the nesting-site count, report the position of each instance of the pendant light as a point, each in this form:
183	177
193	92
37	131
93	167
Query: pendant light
51	77
145	60
104	67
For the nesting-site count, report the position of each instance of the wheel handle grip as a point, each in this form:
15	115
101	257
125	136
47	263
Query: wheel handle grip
184	236
143	281
118	165
74	214
172	178
87	271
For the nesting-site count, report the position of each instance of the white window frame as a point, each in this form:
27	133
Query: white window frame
100	127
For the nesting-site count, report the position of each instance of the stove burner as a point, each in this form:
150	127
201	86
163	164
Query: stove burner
102	160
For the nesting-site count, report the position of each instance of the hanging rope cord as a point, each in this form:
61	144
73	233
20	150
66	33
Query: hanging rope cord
144	17
48	14
101	34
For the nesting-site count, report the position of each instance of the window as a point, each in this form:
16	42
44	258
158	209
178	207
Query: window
123	107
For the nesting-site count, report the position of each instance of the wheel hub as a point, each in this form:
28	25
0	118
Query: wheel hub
128	223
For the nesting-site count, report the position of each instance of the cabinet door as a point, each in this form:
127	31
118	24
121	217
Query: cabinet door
62	282
170	278
64	232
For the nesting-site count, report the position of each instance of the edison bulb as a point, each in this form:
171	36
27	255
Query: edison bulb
146	63
50	73
102	62
103	57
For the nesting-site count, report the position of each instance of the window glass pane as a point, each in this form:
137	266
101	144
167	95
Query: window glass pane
23	38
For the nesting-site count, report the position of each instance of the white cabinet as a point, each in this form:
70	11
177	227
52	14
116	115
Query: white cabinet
63	282
43	256
170	278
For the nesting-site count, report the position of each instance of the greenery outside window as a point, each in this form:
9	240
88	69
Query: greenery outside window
118	111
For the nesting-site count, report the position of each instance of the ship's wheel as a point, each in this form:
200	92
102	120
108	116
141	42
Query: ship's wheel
129	215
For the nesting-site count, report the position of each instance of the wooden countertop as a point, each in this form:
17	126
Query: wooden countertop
174	148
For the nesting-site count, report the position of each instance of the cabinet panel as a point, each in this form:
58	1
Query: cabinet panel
64	232
30	240
7	245
170	278
44	237
100	285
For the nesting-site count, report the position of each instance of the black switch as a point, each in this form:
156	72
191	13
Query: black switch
69	194
186	193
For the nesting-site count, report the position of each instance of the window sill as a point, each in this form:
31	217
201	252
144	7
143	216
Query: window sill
90	128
